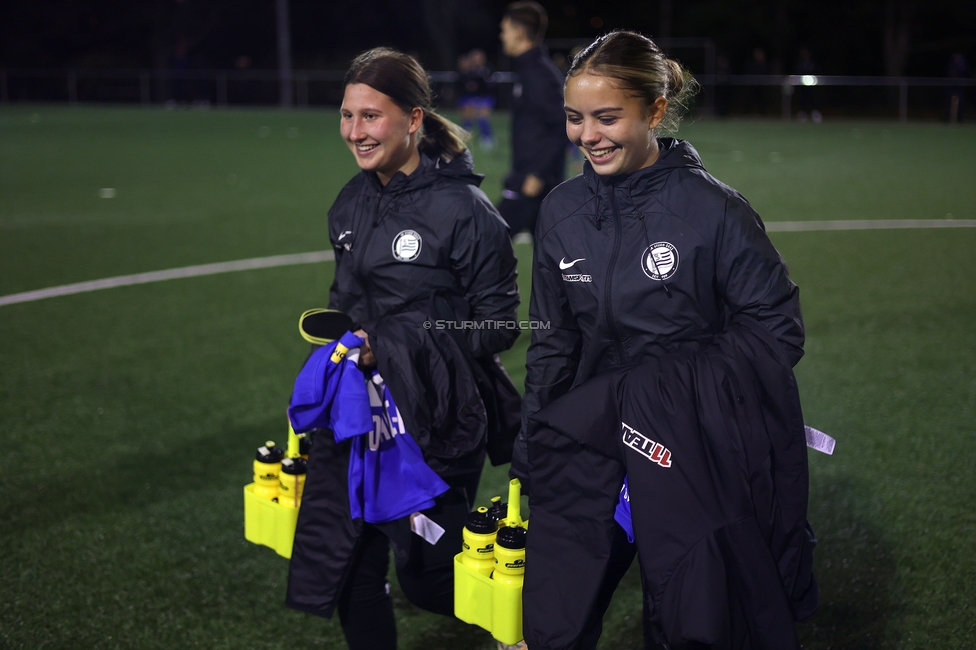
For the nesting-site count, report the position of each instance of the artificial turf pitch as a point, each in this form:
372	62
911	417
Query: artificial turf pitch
129	416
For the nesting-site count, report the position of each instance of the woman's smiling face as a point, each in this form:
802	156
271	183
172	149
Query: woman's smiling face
379	133
613	128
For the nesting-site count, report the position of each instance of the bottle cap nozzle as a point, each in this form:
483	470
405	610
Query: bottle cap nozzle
479	521
514	517
269	453
511	537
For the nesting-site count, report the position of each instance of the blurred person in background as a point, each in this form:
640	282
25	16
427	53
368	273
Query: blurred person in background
673	327
538	136
411	231
757	95
806	95
958	68
476	95
723	93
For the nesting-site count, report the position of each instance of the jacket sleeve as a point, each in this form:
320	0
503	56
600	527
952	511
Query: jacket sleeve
484	263
754	279
553	356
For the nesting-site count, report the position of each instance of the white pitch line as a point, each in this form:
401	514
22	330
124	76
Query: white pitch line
170	274
868	224
328	256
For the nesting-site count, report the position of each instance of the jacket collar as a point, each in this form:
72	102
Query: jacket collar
427	173
532	54
635	186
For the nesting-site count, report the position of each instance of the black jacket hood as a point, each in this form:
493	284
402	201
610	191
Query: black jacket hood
674	154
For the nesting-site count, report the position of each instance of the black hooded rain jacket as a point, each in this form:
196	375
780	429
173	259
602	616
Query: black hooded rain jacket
630	267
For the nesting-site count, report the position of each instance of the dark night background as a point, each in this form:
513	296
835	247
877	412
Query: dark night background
849	37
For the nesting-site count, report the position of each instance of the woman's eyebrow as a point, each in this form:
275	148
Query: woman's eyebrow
599	111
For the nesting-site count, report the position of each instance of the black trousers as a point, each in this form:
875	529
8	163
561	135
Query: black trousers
425	571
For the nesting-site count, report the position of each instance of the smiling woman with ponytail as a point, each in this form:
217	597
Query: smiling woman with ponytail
412	231
398	76
668	264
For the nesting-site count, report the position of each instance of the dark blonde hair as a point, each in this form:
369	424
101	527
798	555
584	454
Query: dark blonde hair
640	68
400	77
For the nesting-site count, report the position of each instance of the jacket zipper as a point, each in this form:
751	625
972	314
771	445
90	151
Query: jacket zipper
607	302
368	224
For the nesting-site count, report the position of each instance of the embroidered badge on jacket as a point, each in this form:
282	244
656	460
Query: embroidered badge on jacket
659	261
407	245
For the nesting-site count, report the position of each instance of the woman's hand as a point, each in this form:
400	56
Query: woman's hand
366	357
532	186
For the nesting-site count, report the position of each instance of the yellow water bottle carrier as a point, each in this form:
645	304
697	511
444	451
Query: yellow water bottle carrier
272	501
488	571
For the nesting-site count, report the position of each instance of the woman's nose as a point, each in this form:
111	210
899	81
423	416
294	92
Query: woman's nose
356	130
591	134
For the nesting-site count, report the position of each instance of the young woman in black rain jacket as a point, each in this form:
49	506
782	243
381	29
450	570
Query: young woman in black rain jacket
653	281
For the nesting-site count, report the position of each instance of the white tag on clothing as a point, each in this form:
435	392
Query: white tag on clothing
819	440
426	527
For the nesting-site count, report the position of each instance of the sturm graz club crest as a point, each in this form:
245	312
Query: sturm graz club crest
407	245
659	261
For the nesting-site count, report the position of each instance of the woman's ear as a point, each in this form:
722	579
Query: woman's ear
416	119
656	112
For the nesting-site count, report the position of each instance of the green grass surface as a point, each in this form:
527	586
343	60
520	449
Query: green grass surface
128	417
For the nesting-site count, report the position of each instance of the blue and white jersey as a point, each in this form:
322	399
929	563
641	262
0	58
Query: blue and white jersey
388	476
387	422
329	391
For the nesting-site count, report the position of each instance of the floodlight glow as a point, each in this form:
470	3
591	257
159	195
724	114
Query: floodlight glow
808	80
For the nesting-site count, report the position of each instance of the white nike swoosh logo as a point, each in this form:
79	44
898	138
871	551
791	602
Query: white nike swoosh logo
563	264
344	234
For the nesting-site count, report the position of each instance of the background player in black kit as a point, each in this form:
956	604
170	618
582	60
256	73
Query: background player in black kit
538	134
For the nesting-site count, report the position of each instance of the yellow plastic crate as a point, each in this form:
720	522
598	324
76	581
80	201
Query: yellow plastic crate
269	523
490	605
